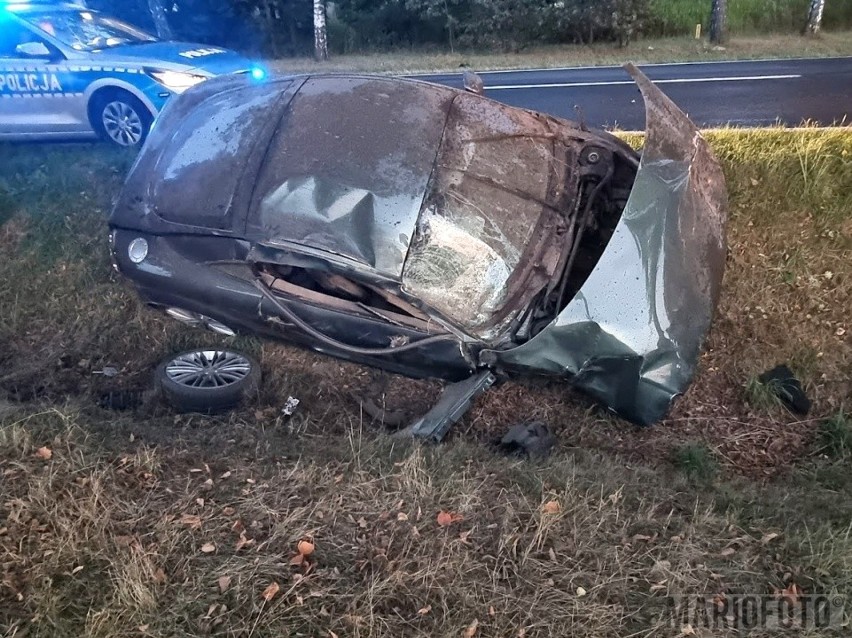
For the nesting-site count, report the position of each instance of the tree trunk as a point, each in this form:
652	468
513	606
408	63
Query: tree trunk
320	34
158	13
814	17
719	22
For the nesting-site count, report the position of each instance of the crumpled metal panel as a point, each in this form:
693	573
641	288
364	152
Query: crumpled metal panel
351	184
632	335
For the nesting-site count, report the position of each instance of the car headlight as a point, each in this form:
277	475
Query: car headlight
176	81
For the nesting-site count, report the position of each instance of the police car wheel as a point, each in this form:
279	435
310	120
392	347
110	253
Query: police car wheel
121	119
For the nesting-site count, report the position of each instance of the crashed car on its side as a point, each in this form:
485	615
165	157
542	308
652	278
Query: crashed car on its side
432	232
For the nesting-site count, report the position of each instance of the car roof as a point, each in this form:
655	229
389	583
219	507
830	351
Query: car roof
22	8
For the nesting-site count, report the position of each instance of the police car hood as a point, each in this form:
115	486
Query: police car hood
178	56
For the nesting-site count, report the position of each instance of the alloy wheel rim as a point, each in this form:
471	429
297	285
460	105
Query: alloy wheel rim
208	369
122	123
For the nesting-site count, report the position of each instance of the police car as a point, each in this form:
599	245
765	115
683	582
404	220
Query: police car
70	72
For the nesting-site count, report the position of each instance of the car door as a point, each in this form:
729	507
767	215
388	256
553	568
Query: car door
36	97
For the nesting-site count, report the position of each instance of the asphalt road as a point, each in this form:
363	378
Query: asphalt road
746	93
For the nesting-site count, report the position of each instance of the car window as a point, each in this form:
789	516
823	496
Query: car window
87	30
497	172
12	35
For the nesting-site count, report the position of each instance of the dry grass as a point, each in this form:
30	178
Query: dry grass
644	51
101	539
114	542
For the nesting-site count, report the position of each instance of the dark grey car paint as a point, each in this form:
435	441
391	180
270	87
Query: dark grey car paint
630	337
632	334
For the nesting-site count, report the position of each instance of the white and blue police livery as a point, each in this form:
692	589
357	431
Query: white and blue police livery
69	72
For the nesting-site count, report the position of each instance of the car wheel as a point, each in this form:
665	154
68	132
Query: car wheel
121	118
208	380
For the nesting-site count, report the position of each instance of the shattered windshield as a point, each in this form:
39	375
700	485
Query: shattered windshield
496	174
86	30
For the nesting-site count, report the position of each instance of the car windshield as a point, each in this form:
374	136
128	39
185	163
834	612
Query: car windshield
87	30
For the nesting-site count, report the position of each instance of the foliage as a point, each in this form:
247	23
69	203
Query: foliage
284	27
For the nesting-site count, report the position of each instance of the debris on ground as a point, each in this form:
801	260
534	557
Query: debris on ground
121	399
786	387
532	439
107	371
290	406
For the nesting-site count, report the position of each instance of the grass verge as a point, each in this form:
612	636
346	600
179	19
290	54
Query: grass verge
659	50
142	523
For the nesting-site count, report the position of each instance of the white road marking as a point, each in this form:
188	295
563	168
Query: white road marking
560	85
616	67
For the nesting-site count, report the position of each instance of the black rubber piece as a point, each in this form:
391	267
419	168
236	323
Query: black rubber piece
787	387
207	400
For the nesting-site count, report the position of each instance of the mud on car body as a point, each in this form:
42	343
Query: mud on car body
70	72
432	232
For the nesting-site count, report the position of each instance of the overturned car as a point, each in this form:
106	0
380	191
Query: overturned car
432	232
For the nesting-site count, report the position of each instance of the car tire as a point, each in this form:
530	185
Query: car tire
120	118
208	380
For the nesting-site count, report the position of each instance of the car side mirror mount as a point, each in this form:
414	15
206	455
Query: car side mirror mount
33	50
473	83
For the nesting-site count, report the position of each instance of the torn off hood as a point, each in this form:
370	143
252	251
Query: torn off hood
632	335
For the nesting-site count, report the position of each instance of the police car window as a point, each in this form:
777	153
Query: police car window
12	35
87	31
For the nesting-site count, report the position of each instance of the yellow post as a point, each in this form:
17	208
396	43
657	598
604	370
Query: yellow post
698	31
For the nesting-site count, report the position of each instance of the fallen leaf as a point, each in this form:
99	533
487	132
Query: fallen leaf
243	542
424	610
402	516
271	590
331	634
492	611
44	453
228	511
463	536
224	583
768	538
581	592
362	523
728	551
792	592
226	475
199	502
193	521
641	537
305	548
551	507
298	559
448	518
159	576
143	628
77	569
470	632
208	548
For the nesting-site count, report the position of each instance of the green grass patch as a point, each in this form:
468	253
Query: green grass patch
835	436
695	461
